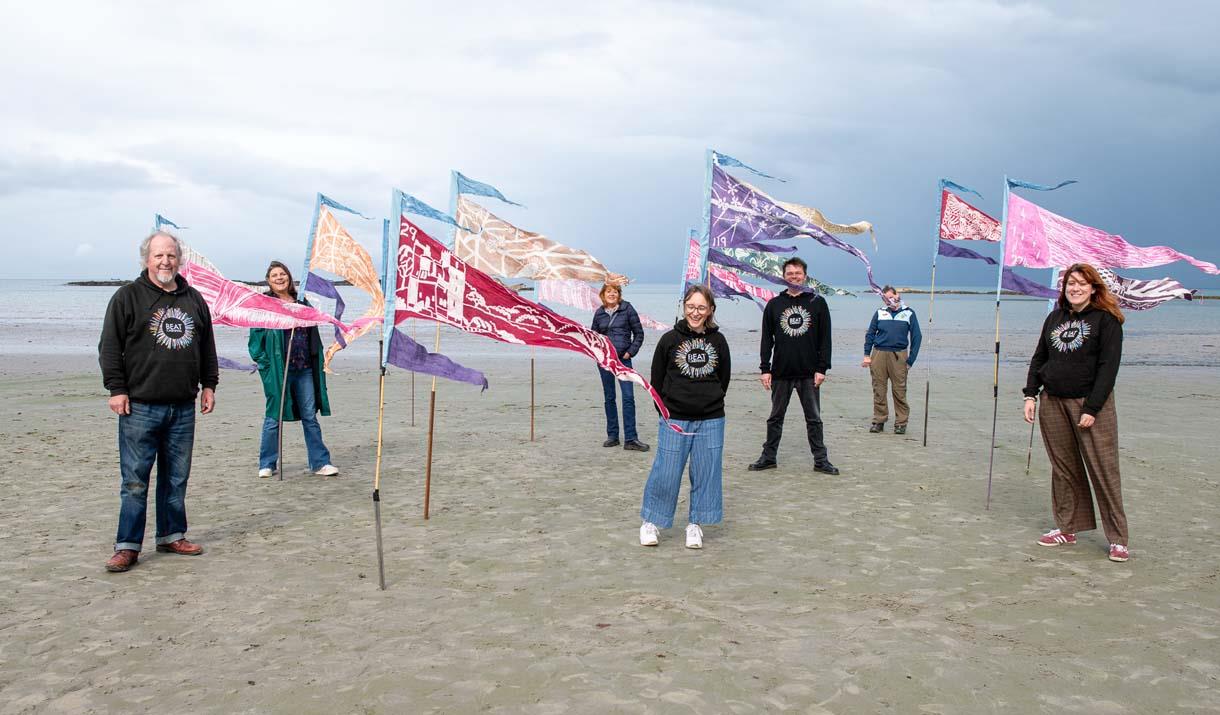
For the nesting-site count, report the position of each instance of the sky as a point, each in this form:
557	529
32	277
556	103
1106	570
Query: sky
229	117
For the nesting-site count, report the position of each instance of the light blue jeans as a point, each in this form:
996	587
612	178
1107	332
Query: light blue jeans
300	382
703	447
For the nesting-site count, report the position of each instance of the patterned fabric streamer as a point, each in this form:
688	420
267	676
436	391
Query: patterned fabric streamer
240	305
432	283
817	218
467	185
579	294
335	250
693	260
1038	238
498	248
315	283
959	221
410	355
1136	294
740	287
743	215
721	290
766	266
1009	280
726	160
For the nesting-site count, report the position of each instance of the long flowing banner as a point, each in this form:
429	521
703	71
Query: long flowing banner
431	283
1037	238
733	281
579	294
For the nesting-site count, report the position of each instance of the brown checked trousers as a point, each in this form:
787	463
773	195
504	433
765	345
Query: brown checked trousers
1072	450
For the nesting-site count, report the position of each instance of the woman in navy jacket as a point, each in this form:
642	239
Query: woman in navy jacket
617	320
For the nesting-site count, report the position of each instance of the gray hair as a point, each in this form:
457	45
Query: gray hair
148	241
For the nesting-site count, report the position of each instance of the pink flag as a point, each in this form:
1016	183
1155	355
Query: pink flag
433	284
959	221
241	306
1038	238
735	282
579	294
692	262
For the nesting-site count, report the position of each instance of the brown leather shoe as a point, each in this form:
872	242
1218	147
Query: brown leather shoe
181	546
122	560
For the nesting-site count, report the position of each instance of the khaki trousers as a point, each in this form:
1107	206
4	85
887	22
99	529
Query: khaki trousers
1072	449
892	367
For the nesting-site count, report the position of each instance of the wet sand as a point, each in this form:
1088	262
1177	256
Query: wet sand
886	589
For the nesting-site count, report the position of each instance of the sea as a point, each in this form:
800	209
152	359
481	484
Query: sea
49	317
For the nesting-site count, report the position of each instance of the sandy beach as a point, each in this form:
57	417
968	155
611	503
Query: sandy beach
886	589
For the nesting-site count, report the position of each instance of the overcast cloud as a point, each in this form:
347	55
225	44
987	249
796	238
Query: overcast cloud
228	116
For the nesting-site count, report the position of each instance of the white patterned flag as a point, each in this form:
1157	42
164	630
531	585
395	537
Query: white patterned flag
959	221
1133	294
499	248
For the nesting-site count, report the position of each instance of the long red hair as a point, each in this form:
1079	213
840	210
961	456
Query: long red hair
1102	298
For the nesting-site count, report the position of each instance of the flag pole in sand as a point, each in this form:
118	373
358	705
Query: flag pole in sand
995	373
387	324
927	387
279	455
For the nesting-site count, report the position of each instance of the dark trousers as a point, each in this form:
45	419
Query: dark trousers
811	403
608	383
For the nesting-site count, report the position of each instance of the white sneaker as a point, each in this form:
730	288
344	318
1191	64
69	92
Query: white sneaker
266	473
329	470
648	534
694	536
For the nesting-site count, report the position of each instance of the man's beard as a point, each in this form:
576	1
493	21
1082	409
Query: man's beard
166	278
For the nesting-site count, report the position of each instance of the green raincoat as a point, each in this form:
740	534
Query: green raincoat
267	349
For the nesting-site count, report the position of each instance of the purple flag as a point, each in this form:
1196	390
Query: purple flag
410	355
1009	280
743	215
315	283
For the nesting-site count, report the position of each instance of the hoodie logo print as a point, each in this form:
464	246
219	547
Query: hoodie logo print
1069	336
795	321
696	357
172	328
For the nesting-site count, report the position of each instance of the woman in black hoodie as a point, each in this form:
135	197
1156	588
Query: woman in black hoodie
690	370
1075	367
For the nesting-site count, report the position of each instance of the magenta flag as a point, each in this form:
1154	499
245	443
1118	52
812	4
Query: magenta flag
1037	238
240	305
735	282
693	254
959	221
433	284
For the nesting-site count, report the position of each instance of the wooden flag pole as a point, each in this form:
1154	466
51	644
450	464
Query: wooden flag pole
377	476
995	374
1029	453
413	335
279	456
927	388
431	431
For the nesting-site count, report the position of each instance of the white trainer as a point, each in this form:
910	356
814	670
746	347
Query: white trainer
694	536
329	470
266	473
648	534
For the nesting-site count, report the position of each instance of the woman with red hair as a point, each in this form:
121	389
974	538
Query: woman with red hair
1074	368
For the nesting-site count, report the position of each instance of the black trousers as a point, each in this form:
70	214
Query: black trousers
811	403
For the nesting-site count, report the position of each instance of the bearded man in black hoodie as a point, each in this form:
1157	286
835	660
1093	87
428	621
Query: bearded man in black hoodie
795	355
156	351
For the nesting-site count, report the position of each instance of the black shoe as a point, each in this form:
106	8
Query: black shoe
761	464
826	468
635	445
877	427
610	442
900	429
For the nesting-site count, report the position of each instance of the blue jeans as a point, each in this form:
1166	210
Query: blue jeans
704	448
300	383
164	434
608	381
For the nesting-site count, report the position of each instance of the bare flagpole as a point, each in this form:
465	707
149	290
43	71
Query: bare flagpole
531	393
927	388
1029	453
995	379
387	291
279	456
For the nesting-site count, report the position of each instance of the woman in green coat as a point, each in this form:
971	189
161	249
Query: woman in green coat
306	384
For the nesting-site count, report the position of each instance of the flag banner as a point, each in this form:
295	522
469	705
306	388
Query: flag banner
432	283
740	287
240	306
694	260
230	364
726	160
946	184
1009	279
315	283
1133	294
959	221
162	221
817	218
1038	238
1018	184
334	250
579	294
466	185
327	201
742	215
409	355
767	266
410	204
498	248
721	290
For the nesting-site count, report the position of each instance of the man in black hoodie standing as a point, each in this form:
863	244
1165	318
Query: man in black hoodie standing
156	351
795	356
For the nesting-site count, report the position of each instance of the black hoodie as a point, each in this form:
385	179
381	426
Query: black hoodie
795	336
691	372
1077	356
157	346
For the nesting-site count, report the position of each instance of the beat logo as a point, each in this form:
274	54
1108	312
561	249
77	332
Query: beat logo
172	328
1069	336
795	321
696	357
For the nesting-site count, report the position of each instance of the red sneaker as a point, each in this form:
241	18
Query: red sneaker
181	546
1119	553
1057	538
